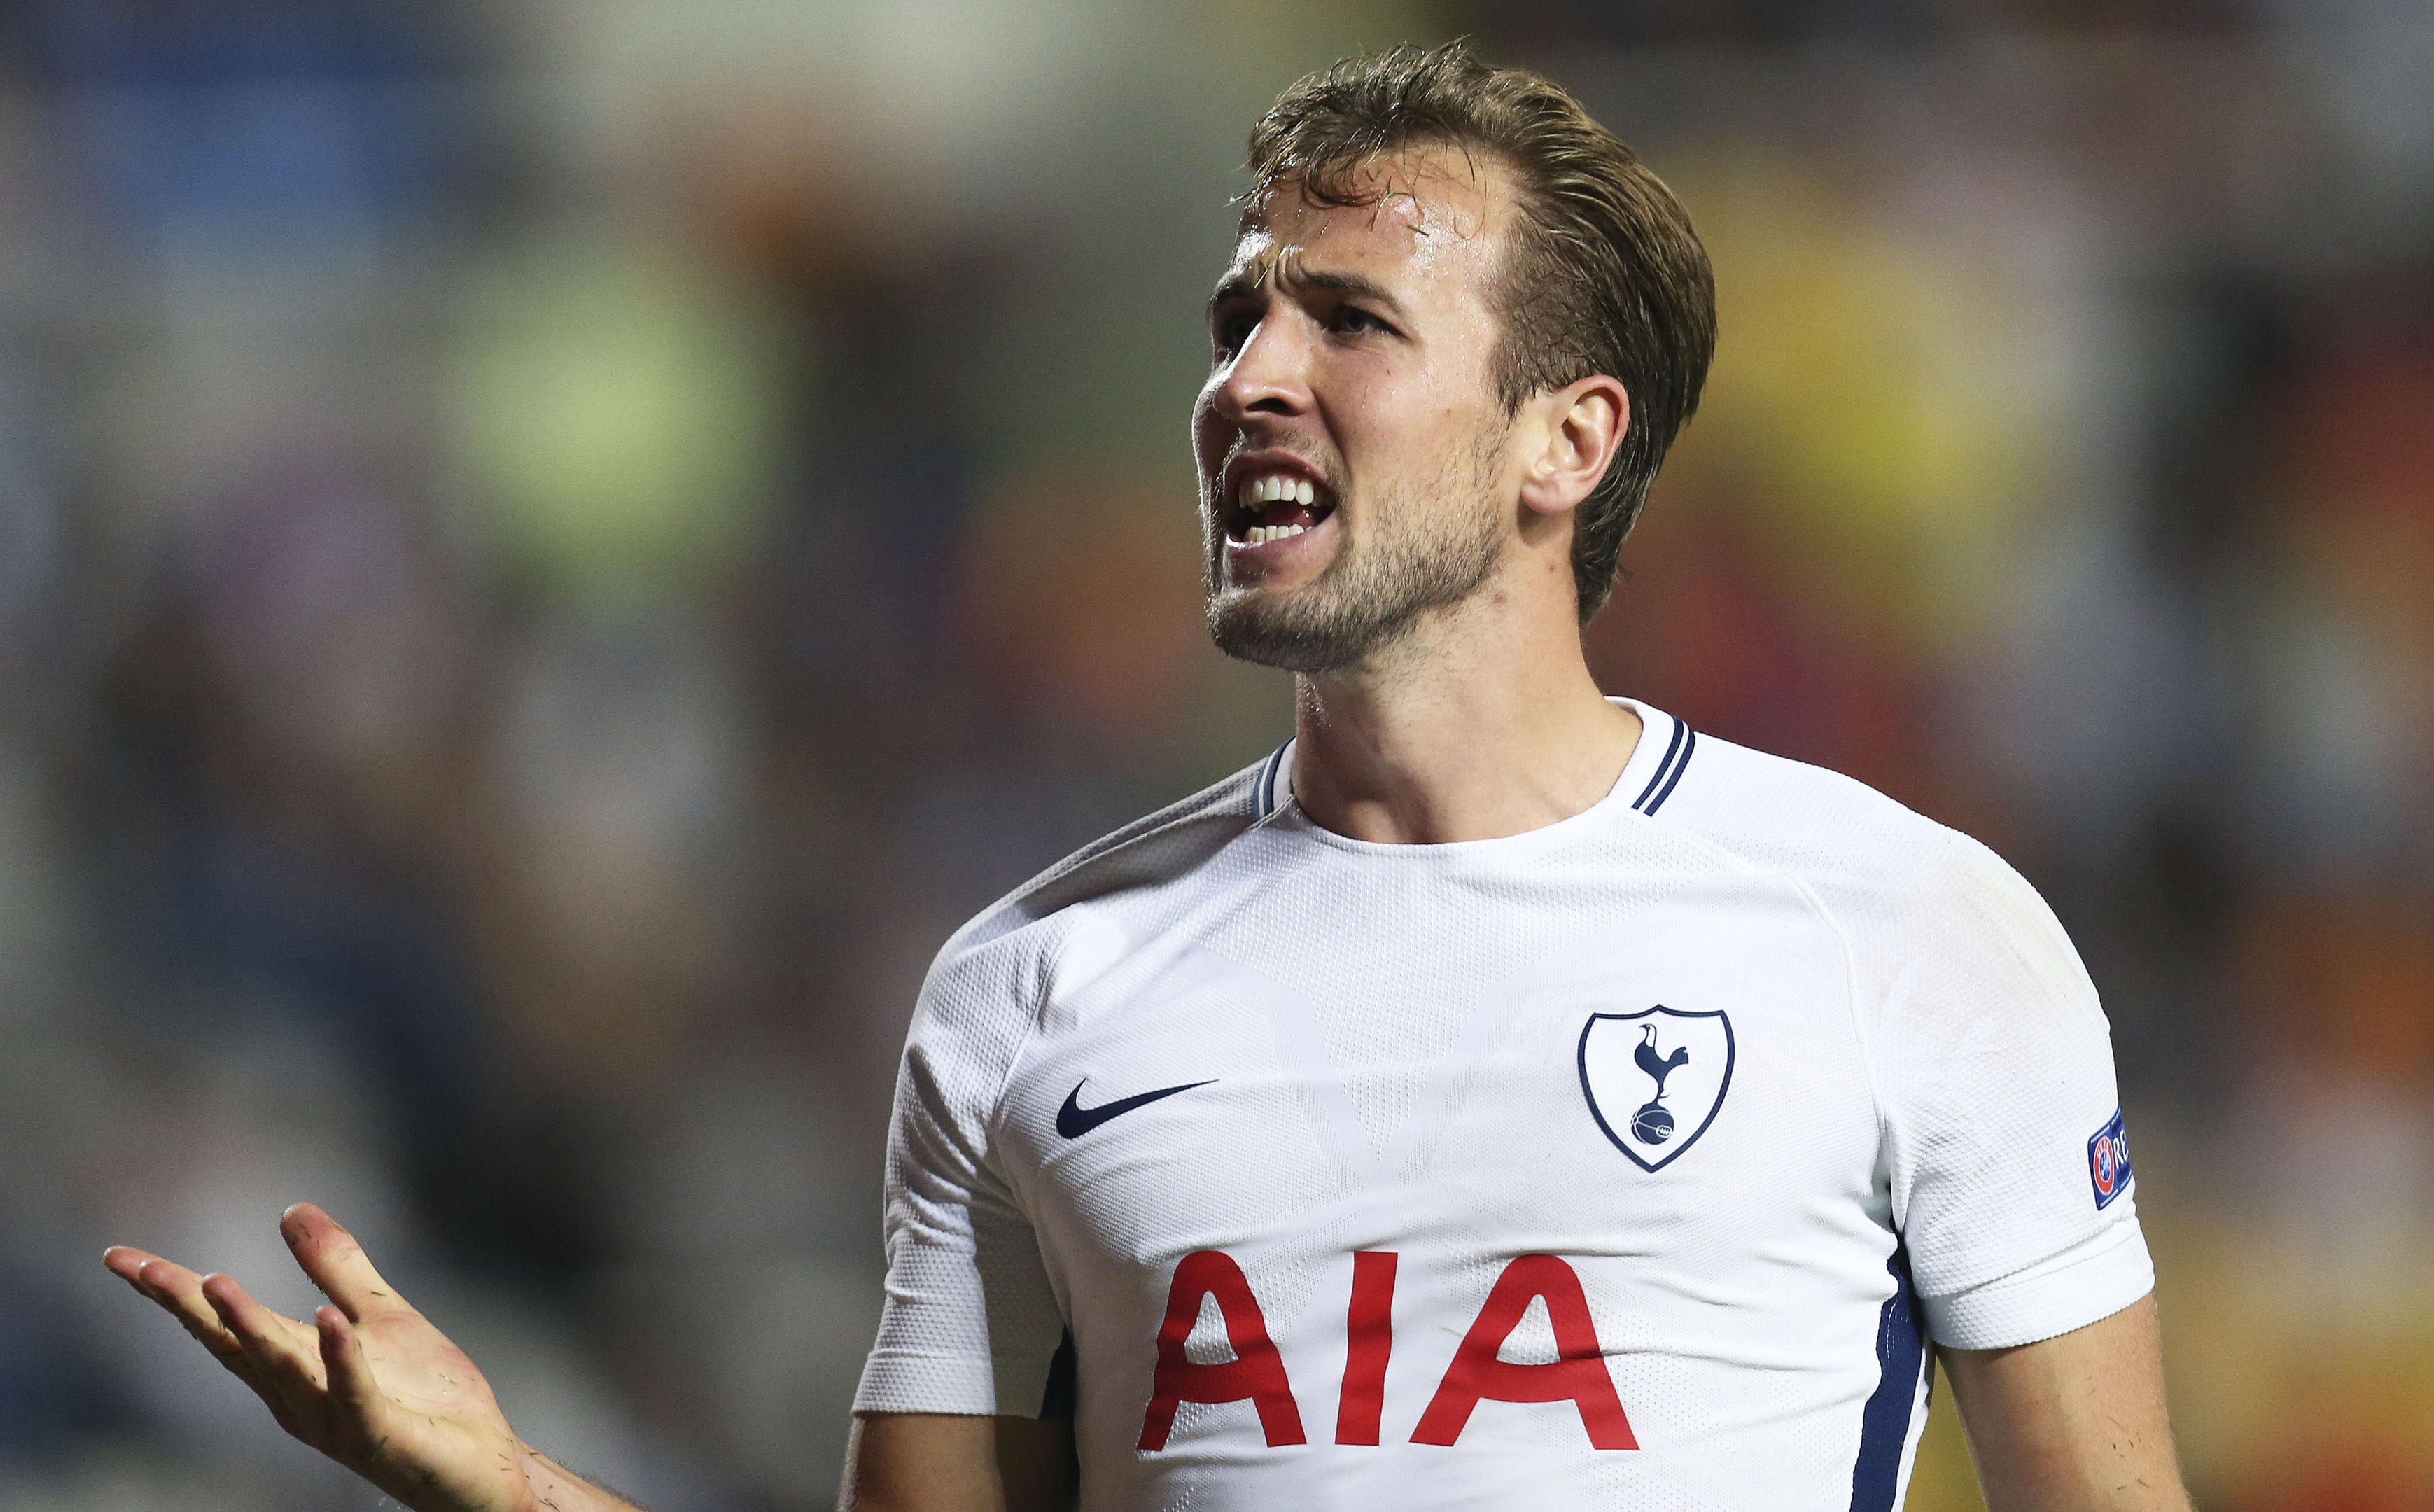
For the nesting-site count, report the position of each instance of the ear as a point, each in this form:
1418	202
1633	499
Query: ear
1578	429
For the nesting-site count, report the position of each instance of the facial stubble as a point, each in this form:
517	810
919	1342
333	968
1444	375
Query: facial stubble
1368	600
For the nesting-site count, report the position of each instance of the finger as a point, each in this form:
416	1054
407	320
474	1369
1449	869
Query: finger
128	1264
179	1292
277	1357
271	1339
356	1398
337	1263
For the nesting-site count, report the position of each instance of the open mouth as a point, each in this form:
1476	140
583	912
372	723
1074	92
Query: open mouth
1275	505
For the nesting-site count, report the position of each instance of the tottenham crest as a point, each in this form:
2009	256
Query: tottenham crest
1655	1079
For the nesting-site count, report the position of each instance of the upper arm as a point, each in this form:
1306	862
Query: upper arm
971	1324
2073	1423
939	1462
1994	1069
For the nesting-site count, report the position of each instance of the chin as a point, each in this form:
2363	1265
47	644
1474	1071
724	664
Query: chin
1264	627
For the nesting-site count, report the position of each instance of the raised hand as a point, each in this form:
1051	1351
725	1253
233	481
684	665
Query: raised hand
368	1382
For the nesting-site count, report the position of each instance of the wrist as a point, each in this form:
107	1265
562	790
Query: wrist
549	1487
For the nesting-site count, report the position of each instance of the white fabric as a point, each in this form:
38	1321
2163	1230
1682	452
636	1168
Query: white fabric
1391	1039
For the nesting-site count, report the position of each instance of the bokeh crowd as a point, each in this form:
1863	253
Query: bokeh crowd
550	551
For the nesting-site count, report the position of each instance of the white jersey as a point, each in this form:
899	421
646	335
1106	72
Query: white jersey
1621	1163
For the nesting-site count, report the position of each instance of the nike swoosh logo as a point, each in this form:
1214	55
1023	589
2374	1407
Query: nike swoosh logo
1073	1120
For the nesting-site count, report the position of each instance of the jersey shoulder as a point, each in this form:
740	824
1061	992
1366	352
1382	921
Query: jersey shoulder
1905	891
982	997
1787	816
992	966
1151	851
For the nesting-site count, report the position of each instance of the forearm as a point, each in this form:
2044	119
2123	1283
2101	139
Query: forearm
937	1462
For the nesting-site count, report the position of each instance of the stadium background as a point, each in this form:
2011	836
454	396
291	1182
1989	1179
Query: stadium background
550	552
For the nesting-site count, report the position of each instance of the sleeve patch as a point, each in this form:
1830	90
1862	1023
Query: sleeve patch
2108	1161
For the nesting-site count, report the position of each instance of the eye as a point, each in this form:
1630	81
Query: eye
1352	319
1230	331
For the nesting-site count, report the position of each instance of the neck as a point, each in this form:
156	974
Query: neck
1483	723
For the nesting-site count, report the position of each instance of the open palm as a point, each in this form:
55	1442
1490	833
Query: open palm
368	1382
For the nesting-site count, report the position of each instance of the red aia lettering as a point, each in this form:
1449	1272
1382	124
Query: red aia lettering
1257	1372
1368	1340
1578	1374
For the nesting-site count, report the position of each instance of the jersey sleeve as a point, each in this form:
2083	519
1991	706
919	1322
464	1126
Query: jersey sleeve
971	1323
2007	1169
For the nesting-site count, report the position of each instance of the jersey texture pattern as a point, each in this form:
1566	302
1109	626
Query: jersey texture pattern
1629	1162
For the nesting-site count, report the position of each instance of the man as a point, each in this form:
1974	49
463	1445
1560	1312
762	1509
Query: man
1502	1095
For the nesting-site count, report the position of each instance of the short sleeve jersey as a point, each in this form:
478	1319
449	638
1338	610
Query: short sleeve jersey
1627	1163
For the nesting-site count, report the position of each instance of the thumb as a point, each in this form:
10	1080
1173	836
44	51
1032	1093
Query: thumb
337	1263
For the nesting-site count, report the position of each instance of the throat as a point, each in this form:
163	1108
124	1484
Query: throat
1406	765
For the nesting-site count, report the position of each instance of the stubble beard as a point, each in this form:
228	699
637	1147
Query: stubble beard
1366	601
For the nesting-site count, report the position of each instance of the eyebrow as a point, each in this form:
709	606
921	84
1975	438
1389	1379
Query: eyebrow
1241	285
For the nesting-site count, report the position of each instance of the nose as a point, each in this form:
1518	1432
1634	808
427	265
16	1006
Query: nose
1269	376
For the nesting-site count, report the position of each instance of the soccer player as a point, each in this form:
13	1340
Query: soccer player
1501	1096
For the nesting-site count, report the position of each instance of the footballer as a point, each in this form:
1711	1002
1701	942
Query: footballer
1502	1095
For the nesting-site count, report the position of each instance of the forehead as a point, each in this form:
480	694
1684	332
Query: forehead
1426	215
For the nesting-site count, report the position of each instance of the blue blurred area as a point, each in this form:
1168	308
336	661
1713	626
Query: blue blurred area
310	120
549	554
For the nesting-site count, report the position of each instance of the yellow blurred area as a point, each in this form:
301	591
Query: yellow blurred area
1879	394
1941	1479
616	412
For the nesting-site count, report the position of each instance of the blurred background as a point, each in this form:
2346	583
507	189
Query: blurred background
551	551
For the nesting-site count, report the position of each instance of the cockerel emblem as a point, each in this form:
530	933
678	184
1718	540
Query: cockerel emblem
1651	1076
1653	1123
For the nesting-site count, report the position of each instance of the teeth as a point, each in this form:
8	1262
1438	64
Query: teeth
1262	535
1276	487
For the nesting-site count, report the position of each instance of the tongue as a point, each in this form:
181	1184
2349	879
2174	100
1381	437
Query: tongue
1290	514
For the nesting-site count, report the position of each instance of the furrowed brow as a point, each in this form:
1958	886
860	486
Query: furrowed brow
1293	275
1233	290
1290	275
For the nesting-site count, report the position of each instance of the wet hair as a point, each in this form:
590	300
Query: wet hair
1604	273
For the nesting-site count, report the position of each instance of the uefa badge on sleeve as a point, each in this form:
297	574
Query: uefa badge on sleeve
2108	1161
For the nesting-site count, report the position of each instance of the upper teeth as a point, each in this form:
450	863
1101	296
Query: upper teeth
1277	488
